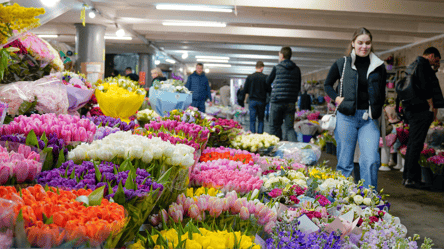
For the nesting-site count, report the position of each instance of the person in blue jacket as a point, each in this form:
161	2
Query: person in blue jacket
198	84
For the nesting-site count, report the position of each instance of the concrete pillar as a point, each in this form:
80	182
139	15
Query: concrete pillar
90	50
146	65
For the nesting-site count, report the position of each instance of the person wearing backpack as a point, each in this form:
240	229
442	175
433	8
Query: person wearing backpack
419	110
359	105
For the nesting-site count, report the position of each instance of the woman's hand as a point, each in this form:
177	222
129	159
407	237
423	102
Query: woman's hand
339	100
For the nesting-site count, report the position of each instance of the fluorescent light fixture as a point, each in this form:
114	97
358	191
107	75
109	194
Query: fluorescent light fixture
207	70
48	36
217	65
184	56
195	24
257	56
49	3
170	61
157	62
210	60
120	32
192	8
118	38
212	57
92	14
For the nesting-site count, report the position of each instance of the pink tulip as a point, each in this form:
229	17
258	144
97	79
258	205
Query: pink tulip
33	156
202	204
188	203
236	208
244	214
154	219
215	207
268	228
33	169
164	215
251	207
193	211
181	199
4	156
5	173
21	171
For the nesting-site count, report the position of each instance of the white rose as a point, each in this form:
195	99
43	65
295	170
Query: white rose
358	199
367	201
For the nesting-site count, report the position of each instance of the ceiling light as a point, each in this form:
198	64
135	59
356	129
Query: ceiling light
210	60
212	57
120	32
192	8
207	70
48	36
180	69
217	65
49	3
194	24
170	61
157	62
184	56
118	38
92	14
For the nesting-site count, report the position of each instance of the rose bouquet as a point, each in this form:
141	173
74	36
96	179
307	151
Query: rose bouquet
20	166
38	213
284	179
288	195
229	211
42	50
46	95
119	97
130	187
436	164
275	164
403	134
315	211
78	88
253	142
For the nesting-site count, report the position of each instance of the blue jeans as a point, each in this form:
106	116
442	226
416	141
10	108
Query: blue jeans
257	109
350	129
279	113
199	104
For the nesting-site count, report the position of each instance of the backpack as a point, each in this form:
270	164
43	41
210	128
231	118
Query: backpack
405	86
240	97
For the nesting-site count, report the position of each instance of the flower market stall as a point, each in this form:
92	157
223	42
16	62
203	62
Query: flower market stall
175	178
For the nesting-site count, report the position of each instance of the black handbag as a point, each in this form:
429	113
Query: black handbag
405	86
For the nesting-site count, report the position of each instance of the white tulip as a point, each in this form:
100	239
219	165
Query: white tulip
147	156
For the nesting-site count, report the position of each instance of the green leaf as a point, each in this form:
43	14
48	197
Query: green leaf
126	165
95	198
129	184
47	220
21	239
73	173
61	158
31	139
44	139
110	189
47	165
119	196
165	177
98	174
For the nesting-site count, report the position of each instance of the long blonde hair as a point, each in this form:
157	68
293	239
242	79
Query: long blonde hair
158	71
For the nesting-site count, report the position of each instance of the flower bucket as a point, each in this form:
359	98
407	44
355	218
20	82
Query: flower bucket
426	176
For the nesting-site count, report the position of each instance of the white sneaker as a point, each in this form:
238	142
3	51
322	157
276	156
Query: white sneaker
402	170
398	166
384	168
392	163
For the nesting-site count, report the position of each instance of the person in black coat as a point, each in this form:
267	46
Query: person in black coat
360	102
157	74
131	75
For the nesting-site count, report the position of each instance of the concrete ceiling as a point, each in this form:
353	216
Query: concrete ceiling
317	30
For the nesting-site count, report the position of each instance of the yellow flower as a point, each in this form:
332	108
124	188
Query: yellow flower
189	192
137	245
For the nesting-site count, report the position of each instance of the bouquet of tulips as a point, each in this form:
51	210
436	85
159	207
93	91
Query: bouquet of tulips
130	187
253	142
154	154
92	222
146	116
18	166
225	131
229	211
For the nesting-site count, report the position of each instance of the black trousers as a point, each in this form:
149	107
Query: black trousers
281	112
419	124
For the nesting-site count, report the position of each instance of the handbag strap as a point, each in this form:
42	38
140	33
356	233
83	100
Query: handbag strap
341	81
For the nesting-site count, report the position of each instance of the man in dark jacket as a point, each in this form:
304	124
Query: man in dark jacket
129	73
419	113
256	88
198	84
286	80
